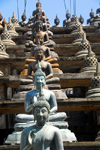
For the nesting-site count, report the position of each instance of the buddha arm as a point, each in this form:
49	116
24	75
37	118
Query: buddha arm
50	71
29	70
23	144
27	104
58	140
53	103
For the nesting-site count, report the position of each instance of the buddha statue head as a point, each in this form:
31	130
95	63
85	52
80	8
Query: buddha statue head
39	38
39	78
41	110
38	53
38	4
68	15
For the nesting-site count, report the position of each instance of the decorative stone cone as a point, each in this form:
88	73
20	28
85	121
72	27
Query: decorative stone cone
3	53
90	62
11	28
6	37
78	33
95	84
83	47
15	21
74	21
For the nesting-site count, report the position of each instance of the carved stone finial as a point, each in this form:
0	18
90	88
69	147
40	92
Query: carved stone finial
90	53
84	37
3	53
6	37
4	22
11	28
15	21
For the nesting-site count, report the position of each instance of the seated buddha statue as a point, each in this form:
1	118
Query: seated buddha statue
39	80
46	66
41	135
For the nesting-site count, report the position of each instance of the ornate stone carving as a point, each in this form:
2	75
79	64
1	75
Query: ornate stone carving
11	28
90	62
6	37
83	47
95	84
14	20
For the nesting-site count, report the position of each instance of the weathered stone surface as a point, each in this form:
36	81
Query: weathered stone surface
67	146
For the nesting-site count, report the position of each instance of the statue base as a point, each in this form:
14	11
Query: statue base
15	137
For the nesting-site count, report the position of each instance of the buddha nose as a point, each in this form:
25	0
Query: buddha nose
41	114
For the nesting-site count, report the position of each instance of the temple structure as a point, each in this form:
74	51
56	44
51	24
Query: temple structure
69	56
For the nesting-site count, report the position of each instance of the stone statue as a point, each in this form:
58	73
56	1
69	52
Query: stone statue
41	136
66	22
92	17
39	80
46	66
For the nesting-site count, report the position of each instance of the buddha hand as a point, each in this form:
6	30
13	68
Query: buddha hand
32	137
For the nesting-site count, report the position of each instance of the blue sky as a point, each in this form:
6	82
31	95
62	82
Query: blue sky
51	8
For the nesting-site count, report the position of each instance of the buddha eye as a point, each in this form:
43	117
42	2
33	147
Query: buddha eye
43	111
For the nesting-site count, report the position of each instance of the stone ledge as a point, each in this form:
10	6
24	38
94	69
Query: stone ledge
67	146
72	104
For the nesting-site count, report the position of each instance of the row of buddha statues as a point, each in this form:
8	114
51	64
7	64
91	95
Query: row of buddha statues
42	65
42	46
40	40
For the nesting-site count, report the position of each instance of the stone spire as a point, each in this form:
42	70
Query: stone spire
15	21
4	22
3	53
95	84
6	37
78	34
90	62
83	47
11	28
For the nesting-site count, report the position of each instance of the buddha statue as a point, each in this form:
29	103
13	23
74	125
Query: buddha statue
39	80
26	120
57	21
66	22
41	135
46	66
81	19
24	22
89	21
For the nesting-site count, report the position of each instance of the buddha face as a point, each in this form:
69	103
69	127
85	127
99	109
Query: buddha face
39	54
39	40
40	81
41	114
